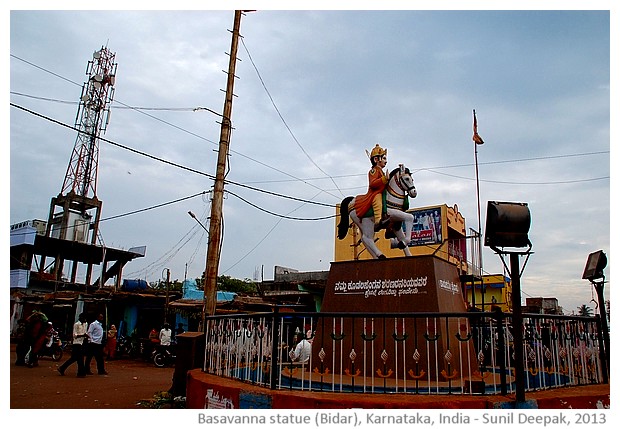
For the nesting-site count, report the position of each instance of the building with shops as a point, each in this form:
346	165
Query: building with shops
63	289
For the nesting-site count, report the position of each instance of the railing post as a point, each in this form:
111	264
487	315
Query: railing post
273	373
501	344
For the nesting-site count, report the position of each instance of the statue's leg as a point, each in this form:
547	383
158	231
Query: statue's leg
368	237
366	227
402	237
408	227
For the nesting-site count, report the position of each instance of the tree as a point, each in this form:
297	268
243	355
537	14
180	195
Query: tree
175	285
584	310
230	284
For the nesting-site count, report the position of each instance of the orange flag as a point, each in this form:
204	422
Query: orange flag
476	138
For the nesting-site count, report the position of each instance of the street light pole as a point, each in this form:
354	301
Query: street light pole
215	224
197	220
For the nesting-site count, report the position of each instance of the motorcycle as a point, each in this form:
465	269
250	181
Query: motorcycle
53	347
126	346
164	356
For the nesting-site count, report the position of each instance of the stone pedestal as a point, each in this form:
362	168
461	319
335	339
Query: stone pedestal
433	348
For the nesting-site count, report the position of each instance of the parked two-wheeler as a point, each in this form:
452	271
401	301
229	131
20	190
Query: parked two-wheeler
126	346
164	356
52	347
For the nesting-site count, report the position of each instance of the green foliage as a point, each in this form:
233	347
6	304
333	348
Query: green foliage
175	285
163	400
584	310
230	284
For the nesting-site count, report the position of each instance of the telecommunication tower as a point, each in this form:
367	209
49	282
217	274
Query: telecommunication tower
75	213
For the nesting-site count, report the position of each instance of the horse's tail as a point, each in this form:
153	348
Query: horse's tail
343	226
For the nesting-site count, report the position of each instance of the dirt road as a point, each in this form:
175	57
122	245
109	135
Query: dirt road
127	383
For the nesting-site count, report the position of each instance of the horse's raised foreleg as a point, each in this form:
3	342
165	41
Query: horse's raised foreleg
403	237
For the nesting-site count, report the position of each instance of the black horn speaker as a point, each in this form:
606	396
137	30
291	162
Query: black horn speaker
597	261
507	225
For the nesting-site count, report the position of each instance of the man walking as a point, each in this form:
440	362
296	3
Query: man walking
95	346
77	348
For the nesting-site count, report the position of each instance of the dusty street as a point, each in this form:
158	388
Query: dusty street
128	382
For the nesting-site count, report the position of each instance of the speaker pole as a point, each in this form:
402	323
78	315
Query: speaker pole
517	327
598	286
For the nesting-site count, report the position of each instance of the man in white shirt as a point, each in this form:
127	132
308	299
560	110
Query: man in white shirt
302	351
77	347
165	335
95	346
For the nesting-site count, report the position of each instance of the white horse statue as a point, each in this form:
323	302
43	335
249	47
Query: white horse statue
400	186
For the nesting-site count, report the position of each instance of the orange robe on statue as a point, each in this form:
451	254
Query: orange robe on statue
377	182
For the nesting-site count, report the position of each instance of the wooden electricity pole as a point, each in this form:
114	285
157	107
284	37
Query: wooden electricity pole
215	224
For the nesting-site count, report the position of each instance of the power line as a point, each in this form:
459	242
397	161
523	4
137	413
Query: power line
279	215
183	129
560	182
75	103
506	161
262	239
305	181
536	158
282	117
154	207
165	161
294	178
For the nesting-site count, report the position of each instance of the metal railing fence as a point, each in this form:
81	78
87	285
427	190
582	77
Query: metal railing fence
418	353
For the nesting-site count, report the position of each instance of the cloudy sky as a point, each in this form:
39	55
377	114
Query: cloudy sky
315	89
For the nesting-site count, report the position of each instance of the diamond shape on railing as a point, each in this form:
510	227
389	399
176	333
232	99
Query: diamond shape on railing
416	356
480	357
448	356
384	356
563	353
548	353
322	354
352	355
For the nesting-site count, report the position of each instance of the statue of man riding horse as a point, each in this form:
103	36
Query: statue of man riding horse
382	207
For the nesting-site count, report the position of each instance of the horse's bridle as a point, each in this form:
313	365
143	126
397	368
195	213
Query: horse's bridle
404	188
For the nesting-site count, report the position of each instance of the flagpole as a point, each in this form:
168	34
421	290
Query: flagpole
477	141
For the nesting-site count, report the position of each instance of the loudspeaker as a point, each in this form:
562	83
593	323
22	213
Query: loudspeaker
507	225
597	261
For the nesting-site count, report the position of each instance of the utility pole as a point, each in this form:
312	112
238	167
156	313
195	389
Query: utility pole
215	224
167	295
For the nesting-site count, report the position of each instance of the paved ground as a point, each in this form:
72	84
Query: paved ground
128	382
132	381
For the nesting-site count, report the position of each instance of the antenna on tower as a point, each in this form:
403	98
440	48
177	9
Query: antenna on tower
92	120
75	213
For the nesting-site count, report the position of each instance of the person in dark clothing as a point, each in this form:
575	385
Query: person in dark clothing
77	347
179	330
34	335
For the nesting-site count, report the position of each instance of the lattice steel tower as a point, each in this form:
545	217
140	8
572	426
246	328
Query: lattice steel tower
74	214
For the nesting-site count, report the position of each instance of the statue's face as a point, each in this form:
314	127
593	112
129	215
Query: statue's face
381	161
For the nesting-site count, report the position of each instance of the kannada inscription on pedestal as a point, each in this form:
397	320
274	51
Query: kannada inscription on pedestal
391	340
